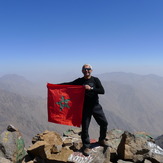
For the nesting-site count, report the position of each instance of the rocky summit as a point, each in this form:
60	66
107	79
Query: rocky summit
50	147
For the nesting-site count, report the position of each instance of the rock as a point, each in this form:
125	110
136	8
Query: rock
114	139
132	147
74	132
67	141
4	160
51	138
77	145
159	141
11	128
156	153
147	161
40	149
12	145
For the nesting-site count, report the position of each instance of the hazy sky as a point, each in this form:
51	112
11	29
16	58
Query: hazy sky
51	38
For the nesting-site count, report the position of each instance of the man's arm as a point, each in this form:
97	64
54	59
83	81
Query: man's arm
99	88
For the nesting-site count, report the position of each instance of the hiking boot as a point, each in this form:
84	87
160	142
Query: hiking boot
104	143
86	151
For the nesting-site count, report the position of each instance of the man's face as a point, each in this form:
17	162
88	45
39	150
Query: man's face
87	71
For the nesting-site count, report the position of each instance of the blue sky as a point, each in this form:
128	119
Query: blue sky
47	38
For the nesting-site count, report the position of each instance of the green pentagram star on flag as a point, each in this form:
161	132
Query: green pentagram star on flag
63	103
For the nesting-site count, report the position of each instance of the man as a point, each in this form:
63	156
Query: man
91	107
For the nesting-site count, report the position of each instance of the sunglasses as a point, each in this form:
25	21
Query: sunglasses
88	69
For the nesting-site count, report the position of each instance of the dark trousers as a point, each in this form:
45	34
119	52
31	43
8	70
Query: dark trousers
97	112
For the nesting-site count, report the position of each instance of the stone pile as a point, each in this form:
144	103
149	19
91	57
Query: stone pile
123	147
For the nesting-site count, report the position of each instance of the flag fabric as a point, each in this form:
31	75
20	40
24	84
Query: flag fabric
65	104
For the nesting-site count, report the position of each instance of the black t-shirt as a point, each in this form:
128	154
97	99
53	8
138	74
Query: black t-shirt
91	96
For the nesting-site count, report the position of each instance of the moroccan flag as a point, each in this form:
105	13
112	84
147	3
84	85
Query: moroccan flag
65	104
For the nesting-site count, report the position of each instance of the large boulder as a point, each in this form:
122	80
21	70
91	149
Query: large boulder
139	148
12	145
132	147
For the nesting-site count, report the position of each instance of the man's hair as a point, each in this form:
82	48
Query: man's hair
86	65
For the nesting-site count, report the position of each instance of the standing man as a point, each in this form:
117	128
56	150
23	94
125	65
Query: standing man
91	108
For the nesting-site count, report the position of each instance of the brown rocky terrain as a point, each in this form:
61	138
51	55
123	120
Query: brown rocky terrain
50	147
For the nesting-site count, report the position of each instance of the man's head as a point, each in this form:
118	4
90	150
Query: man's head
87	70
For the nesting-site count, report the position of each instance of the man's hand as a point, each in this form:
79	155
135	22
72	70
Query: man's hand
87	87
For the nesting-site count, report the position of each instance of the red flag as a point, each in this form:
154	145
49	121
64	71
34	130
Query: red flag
65	104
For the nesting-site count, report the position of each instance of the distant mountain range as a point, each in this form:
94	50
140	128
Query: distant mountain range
132	102
135	99
23	104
